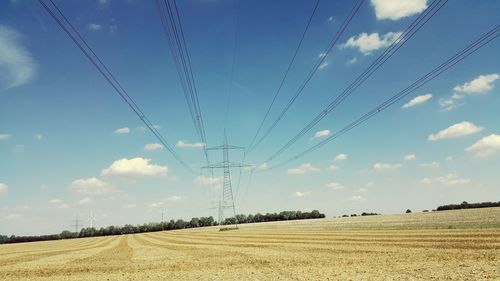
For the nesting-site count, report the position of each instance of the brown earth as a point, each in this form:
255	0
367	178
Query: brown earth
450	245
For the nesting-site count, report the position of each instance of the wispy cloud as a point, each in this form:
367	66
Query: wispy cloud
480	85
16	62
352	61
121	131
321	134
385	167
323	65
153	146
341	157
410	157
334	185
3	188
303	169
94	26
208	181
301	193
4	136
183	144
448	180
91	186
430	165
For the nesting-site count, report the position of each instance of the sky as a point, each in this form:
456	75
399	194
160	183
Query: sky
69	144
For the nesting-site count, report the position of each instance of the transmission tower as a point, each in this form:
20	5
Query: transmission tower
226	208
77	224
91	219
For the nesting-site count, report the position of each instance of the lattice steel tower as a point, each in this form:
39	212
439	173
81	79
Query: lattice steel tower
227	200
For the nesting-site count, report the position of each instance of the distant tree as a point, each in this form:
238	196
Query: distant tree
408	211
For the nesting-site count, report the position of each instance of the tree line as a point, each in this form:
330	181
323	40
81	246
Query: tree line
466	205
161	226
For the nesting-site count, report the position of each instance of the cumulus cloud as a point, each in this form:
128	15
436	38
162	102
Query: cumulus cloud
485	147
301	193
341	157
303	169
481	84
397	9
16	62
3	188
321	134
208	181
91	186
122	131
183	144
410	157
448	180
455	131
368	43
431	165
4	136
153	146
135	167
334	185
385	167
94	26
417	100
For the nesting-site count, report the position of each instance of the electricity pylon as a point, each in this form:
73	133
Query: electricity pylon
77	224
91	219
226	202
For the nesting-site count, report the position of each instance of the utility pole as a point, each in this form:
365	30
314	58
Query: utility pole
91	219
76	224
226	202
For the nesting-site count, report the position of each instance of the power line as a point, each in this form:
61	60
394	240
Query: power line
235	45
308	78
461	55
80	42
172	25
285	75
410	31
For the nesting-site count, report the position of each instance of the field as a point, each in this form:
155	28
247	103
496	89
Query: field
449	245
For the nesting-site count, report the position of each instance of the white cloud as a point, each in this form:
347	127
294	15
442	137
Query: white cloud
16	63
94	26
397	9
122	131
4	136
352	61
356	198
363	190
91	186
417	100
129	206
455	131
485	147
321	55
3	188
334	185
341	157
301	194
481	84
323	65
333	168
63	206
103	2
302	169
183	144
13	216
385	167
431	165
370	183
135	167
448	180
331	19
410	157
321	134
55	201
174	198
156	204
208	181
85	201
369	43
38	136
262	166
153	146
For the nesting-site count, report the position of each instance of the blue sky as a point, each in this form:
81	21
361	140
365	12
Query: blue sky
69	144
